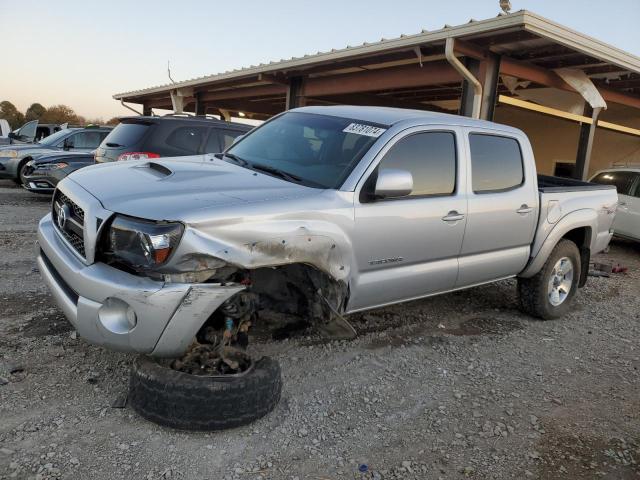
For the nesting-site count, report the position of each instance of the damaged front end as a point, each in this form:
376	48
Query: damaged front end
296	280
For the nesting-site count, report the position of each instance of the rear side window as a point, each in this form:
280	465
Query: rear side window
496	163
213	143
228	136
431	159
127	134
87	139
623	181
187	139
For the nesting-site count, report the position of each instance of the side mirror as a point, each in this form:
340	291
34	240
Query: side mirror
13	136
68	144
393	183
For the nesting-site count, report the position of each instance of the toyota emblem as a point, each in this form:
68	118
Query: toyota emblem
63	212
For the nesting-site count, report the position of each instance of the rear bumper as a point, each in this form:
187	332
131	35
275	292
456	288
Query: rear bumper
125	312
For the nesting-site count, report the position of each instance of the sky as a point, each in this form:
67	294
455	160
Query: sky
80	53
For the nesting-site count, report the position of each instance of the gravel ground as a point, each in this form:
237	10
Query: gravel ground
457	386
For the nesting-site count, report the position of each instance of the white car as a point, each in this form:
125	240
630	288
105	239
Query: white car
627	182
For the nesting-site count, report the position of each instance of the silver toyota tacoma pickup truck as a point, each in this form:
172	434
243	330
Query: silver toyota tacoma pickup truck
318	213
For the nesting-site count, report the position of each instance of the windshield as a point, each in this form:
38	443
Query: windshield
318	150
54	138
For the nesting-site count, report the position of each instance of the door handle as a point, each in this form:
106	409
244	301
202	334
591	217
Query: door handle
524	209
453	216
622	204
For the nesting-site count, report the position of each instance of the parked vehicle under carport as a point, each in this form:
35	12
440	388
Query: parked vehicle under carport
14	158
42	174
293	221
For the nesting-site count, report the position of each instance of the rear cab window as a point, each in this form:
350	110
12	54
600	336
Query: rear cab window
496	163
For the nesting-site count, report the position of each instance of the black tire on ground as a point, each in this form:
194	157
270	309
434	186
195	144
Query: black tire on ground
20	178
534	293
191	402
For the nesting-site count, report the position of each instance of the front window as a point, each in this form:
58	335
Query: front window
316	150
87	140
55	138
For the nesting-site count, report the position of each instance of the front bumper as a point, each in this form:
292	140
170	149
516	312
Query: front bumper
124	312
40	183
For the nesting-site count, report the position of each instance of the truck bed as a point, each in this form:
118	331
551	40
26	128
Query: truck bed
550	184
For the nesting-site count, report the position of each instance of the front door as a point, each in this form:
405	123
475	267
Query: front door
408	247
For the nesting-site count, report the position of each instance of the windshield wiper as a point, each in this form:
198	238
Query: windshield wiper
278	173
235	158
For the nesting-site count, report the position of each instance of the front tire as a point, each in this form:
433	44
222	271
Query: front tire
20	179
193	402
549	293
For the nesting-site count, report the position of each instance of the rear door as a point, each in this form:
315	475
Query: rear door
627	183
220	139
177	138
85	140
502	209
408	247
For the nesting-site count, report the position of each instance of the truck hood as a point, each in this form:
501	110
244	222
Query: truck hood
180	188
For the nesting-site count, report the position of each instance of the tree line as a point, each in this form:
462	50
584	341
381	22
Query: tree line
55	114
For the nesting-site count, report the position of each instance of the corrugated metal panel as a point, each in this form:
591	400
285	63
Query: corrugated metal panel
523	19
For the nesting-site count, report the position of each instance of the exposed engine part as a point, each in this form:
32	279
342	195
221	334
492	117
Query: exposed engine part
208	359
296	295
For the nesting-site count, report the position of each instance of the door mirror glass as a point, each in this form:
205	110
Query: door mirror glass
68	143
393	183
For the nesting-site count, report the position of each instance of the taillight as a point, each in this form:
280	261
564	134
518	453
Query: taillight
137	156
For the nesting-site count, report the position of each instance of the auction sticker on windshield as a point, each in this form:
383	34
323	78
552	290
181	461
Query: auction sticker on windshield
367	130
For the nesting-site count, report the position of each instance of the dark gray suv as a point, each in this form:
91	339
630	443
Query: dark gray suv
138	138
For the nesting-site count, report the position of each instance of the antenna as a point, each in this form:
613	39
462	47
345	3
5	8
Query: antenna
505	5
169	72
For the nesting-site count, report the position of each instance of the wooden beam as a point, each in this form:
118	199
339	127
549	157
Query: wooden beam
548	78
259	108
566	115
246	92
379	101
383	79
295	97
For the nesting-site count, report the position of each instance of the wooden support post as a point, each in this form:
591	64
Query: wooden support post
466	102
490	86
200	108
295	96
146	110
585	144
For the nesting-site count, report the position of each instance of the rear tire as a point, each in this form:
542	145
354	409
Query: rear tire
549	293
192	402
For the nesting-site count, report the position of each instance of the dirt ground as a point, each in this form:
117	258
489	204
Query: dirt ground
456	386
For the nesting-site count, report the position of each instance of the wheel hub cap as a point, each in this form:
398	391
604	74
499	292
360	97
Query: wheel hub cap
561	281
